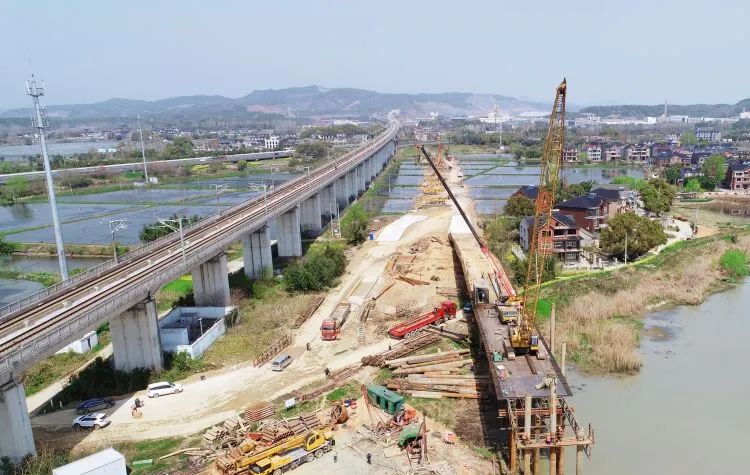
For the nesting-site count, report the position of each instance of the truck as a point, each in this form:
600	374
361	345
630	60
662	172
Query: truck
330	329
445	311
315	442
289	461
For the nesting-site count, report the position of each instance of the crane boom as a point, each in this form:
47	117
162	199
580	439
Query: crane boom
549	181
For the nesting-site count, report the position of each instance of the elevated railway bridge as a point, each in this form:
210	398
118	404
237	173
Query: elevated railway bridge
122	293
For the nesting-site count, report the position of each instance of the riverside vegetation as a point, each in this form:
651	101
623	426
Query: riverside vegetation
599	314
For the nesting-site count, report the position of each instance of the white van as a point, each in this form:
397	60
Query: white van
281	362
163	388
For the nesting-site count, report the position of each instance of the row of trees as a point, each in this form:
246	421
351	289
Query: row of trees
318	271
153	231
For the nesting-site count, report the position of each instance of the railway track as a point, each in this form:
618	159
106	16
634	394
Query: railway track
139	272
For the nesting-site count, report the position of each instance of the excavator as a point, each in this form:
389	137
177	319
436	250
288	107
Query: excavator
523	336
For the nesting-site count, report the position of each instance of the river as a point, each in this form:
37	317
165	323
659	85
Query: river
686	412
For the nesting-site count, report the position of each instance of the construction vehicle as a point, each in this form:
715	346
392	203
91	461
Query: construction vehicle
446	311
315	442
524	336
330	329
481	292
278	464
509	314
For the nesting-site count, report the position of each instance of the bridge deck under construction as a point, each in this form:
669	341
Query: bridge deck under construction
525	373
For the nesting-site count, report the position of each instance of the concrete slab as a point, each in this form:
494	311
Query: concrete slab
393	231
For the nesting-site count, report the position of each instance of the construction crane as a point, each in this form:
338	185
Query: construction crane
524	336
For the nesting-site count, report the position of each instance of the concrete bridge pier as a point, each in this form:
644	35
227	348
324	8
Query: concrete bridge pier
372	167
256	252
310	215
341	192
135	338
328	201
351	179
362	178
16	439
290	238
211	283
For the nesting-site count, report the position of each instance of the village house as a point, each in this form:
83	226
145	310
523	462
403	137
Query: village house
619	197
738	176
564	233
589	211
570	154
529	191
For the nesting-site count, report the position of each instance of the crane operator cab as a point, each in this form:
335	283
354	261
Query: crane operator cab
481	292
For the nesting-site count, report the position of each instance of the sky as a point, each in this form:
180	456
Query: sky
612	52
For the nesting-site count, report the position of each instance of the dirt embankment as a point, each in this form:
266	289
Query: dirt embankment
599	316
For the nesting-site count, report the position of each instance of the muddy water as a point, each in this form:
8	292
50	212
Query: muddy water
687	411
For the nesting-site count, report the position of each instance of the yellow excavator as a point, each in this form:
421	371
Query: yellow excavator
524	336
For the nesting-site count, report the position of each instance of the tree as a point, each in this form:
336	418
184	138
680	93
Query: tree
519	206
549	272
672	173
714	170
693	185
642	234
689	138
241	165
355	224
629	181
153	231
315	150
318	271
180	147
657	196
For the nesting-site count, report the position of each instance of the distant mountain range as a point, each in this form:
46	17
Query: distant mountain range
694	110
309	101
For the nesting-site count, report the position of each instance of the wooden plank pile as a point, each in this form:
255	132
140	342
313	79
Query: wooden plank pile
412	281
216	435
436	375
308	312
335	379
402	348
447	291
273	350
258	412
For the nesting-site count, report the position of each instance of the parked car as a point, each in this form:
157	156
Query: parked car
163	388
94	420
93	404
281	362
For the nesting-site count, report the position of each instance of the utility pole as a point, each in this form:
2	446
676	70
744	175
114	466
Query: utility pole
219	190
169	223
143	151
40	122
114	226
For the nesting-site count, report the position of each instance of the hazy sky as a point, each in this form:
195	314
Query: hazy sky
623	51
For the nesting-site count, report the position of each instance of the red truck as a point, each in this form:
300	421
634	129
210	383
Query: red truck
446	311
331	326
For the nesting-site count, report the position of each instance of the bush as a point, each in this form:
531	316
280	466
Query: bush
519	206
319	270
241	165
100	380
734	263
6	247
549	273
355	224
76	181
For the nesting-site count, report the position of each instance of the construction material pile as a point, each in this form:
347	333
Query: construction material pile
282	342
436	375
402	348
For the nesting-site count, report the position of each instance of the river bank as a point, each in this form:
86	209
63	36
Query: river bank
599	316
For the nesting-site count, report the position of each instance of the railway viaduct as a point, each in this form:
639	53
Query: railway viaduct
122	293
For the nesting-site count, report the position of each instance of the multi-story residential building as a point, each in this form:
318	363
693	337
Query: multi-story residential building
589	211
738	176
594	153
639	153
272	142
613	153
619	197
709	135
562	231
570	154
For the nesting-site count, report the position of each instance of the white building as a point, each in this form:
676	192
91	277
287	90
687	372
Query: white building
594	153
710	135
82	345
272	142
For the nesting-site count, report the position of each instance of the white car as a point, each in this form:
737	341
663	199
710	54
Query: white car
95	420
163	388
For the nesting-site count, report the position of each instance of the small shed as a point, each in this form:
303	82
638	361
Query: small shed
107	462
389	401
